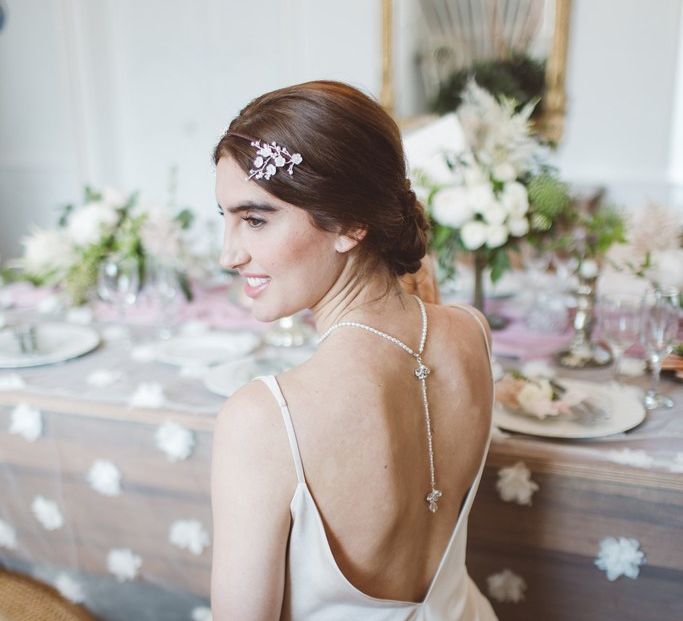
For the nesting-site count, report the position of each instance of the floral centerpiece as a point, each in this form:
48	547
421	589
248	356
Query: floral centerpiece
107	223
498	193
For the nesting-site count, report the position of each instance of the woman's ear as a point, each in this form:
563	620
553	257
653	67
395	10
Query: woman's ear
350	240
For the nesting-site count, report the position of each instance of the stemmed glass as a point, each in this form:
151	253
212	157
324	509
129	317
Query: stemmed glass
118	282
658	330
168	293
619	323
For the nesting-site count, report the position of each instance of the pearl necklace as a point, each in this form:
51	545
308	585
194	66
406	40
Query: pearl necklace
421	373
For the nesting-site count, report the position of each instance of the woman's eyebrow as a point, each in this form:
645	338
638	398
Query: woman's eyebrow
252	206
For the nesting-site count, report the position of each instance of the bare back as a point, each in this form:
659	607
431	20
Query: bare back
359	420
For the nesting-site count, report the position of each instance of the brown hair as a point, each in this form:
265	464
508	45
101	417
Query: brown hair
353	172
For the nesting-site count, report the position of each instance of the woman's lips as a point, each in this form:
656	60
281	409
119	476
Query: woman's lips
254	285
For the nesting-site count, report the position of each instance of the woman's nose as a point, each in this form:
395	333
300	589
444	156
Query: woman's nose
232	256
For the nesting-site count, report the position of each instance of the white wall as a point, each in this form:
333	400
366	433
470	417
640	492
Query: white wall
117	92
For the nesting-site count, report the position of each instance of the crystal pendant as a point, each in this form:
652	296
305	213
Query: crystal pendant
433	498
422	371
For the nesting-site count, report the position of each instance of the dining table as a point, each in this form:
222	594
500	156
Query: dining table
105	474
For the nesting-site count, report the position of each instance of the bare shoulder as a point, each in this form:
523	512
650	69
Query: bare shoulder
249	432
466	318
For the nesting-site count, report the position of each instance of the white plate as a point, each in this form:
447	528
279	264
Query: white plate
207	348
56	342
622	402
225	379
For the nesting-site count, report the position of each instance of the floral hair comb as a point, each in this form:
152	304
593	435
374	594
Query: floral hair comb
270	157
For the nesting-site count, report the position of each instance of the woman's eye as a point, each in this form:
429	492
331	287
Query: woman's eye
221	213
254	223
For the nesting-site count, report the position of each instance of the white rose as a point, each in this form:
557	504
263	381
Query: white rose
496	235
474	234
481	197
504	172
534	399
518	226
436	169
495	213
90	222
450	207
515	199
589	268
45	251
473	175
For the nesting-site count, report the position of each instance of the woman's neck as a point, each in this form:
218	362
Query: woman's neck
363	300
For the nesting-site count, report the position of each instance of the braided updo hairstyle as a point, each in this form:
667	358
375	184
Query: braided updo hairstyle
353	173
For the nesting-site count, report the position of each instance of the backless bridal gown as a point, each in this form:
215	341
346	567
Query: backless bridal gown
317	590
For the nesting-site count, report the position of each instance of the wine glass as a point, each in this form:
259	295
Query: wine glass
619	323
118	282
168	293
658	330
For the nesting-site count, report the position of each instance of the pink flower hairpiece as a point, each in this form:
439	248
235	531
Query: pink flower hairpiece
270	157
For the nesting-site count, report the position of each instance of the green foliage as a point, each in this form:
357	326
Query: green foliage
520	78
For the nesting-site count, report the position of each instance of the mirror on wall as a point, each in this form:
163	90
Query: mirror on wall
514	48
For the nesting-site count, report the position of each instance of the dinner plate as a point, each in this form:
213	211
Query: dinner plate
623	403
207	348
226	378
56	342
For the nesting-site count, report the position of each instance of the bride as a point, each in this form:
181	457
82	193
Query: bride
341	488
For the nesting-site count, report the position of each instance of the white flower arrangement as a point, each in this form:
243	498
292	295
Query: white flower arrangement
506	586
175	441
70	588
123	563
515	485
189	535
106	223
8	536
12	381
148	395
47	513
486	205
620	557
27	422
105	478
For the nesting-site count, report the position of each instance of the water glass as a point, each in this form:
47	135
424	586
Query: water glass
658	331
118	282
168	294
619	324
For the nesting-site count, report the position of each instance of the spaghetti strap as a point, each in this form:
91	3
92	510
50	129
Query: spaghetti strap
271	382
468	310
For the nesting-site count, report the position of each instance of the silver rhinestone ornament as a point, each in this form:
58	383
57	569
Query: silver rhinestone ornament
421	373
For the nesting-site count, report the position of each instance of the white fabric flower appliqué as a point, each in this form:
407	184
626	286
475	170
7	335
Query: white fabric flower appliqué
629	457
27	422
677	463
101	378
201	613
515	485
70	588
506	586
8	536
47	513
147	395
189	535
175	441
620	557
104	477
123	563
12	381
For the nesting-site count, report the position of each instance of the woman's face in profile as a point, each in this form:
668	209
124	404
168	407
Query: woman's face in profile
286	263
